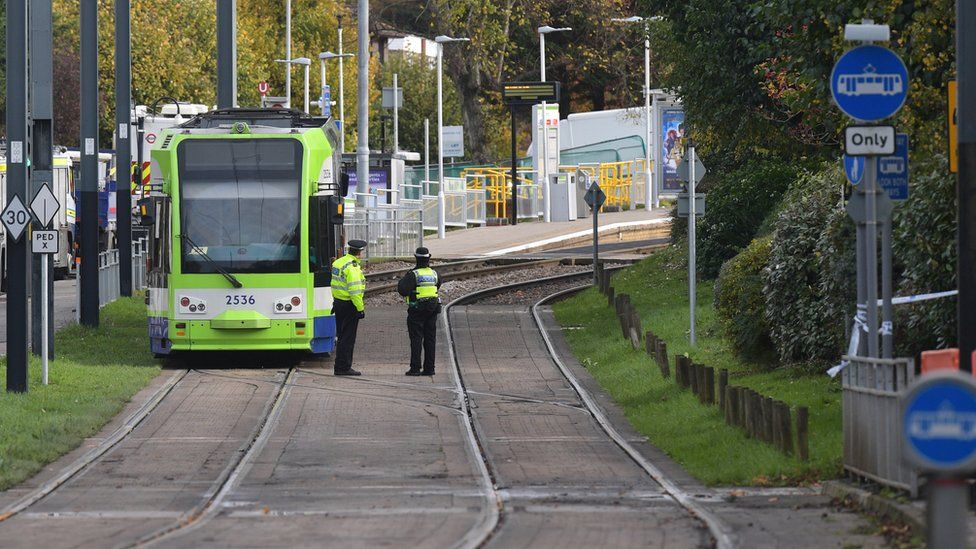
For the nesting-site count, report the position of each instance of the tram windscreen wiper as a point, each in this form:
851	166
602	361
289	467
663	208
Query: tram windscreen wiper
230	278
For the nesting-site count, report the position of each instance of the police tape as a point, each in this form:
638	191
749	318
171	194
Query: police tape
861	325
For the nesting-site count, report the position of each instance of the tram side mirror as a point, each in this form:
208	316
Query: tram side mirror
343	183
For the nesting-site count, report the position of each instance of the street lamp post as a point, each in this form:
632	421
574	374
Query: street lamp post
288	53
342	104
650	193
304	62
323	57
543	166
441	40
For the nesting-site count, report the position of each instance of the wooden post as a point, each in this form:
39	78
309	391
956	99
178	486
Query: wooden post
727	399
662	349
723	382
787	429
747	405
610	297
650	343
709	385
742	407
802	435
777	426
768	419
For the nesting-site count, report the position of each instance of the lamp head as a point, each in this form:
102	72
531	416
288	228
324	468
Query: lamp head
547	29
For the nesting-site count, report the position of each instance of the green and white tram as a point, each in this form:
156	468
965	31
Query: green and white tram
244	233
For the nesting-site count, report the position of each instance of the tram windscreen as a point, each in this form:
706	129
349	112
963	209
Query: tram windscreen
240	205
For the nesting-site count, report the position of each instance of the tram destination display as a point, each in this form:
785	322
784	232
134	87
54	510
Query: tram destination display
530	93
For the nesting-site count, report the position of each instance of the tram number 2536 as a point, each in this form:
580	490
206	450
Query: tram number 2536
240	299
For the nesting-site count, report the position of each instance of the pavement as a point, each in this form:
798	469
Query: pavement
535	236
385	459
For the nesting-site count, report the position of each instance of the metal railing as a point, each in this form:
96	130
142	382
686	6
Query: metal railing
872	388
109	273
389	231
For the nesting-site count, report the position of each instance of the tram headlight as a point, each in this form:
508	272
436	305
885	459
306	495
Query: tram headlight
289	304
296	301
191	305
185	302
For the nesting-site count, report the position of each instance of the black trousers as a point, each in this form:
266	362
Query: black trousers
347	323
422	327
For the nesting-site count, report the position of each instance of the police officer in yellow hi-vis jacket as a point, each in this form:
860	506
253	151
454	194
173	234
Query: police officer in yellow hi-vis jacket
420	287
348	288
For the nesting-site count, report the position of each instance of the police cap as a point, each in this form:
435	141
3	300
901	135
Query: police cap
357	245
422	252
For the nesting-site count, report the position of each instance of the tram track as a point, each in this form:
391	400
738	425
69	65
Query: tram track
231	475
720	532
460	270
88	458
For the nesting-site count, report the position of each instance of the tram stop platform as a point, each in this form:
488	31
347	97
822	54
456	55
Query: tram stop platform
536	236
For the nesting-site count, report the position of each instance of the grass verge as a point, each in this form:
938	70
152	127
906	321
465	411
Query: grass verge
693	434
95	373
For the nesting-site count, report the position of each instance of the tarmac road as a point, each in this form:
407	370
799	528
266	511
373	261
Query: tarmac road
65	301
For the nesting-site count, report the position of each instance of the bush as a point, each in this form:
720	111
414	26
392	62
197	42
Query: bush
740	304
737	205
925	255
809	283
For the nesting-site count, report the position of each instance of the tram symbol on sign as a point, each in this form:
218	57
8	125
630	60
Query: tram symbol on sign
870	82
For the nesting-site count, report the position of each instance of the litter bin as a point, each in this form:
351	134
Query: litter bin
562	202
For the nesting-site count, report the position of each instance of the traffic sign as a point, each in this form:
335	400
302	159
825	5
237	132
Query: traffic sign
595	194
857	207
45	242
264	87
893	170
683	169
683	206
325	101
869	83
869	140
939	422
45	205
854	168
15	218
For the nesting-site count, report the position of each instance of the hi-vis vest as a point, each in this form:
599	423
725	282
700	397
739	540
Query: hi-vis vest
426	284
348	282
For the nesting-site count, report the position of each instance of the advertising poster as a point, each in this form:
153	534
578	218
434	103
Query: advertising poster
378	179
672	149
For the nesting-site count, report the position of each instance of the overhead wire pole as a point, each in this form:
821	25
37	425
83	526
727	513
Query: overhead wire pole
441	214
16	186
42	160
544	165
362	148
226	53
123	147
89	164
966	105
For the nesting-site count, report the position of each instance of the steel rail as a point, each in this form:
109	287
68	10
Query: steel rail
723	535
470	273
231	474
95	453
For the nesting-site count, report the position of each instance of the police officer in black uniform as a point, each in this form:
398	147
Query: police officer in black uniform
420	286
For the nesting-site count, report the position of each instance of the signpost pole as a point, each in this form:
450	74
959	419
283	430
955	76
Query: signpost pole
871	253
692	252
44	315
596	231
396	115
514	172
426	150
887	322
966	193
947	512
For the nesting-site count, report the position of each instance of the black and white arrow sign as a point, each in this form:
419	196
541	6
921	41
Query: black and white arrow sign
45	205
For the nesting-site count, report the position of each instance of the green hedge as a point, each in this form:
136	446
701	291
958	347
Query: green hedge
737	205
740	303
809	284
925	256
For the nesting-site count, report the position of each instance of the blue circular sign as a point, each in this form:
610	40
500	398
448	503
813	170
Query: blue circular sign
869	83
939	422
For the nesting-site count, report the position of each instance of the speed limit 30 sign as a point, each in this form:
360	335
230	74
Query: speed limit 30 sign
15	218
